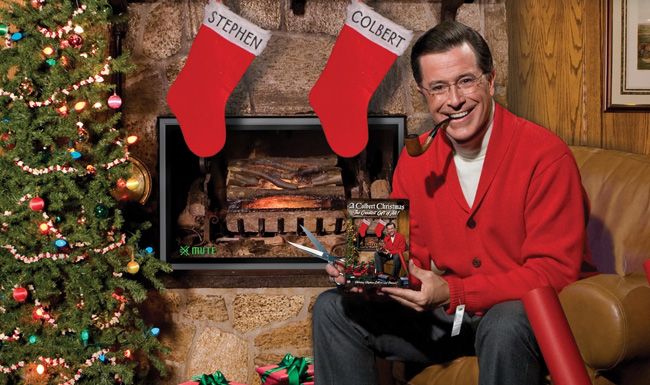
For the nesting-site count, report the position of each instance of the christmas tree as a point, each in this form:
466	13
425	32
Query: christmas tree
71	272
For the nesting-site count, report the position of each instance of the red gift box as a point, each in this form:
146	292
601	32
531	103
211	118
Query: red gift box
229	383
281	377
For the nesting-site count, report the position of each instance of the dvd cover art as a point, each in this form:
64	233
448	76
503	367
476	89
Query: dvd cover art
377	242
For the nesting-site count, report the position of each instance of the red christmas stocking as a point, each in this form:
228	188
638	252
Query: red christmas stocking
364	52
363	227
379	228
222	51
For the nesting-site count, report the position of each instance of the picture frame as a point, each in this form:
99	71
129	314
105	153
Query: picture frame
627	61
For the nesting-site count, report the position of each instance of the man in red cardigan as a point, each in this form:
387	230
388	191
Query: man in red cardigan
394	245
497	209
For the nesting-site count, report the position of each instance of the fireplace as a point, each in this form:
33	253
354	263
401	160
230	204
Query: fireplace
239	208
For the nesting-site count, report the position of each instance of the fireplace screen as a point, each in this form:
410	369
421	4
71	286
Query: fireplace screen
241	207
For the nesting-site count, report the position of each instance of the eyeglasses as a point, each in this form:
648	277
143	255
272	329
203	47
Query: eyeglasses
465	85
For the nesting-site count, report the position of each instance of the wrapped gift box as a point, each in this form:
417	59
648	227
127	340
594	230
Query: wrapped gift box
229	383
197	383
281	377
216	378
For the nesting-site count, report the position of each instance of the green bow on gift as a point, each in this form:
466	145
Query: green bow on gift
211	379
296	369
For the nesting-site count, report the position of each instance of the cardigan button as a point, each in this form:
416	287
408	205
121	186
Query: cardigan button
476	262
471	223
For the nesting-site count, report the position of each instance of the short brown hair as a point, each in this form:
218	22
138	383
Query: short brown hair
445	36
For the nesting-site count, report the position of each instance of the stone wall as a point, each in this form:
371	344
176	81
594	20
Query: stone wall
231	329
278	82
235	329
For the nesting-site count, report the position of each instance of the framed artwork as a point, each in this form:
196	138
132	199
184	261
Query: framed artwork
627	61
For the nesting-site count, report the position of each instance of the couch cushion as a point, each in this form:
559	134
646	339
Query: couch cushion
618	186
609	317
461	371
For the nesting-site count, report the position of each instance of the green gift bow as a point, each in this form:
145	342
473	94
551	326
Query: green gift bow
211	379
296	369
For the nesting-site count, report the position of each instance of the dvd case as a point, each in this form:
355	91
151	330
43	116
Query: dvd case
377	242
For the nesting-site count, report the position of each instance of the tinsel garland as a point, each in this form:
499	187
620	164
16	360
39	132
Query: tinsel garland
116	315
68	169
14	337
115	319
97	78
54	362
61	256
60	31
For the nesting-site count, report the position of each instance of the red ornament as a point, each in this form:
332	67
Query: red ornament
121	183
20	294
115	102
37	204
64	44
75	40
5	137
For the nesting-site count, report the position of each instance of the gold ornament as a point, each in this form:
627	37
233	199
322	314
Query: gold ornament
133	267
139	181
132	184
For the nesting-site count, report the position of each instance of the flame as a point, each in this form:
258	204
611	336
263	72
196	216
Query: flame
287	202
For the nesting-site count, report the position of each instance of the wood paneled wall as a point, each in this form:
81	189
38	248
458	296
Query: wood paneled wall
555	69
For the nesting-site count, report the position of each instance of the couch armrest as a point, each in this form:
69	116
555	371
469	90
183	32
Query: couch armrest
609	316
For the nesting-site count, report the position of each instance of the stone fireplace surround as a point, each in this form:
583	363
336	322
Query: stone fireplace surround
228	320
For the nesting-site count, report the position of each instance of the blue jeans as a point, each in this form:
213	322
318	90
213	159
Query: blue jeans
349	331
381	258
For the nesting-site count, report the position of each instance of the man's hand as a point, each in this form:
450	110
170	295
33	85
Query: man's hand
336	273
433	293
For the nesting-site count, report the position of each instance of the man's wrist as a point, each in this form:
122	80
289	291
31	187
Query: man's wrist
445	294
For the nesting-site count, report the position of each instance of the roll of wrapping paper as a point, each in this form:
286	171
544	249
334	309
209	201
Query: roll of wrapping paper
554	337
646	266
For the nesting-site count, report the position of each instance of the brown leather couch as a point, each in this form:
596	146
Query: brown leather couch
609	313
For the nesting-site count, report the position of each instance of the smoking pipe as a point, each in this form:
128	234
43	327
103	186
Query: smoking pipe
412	141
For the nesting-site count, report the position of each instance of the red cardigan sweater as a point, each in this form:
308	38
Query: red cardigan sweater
526	228
397	246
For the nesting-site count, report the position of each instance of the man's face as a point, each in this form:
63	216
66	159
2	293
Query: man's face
390	229
470	111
